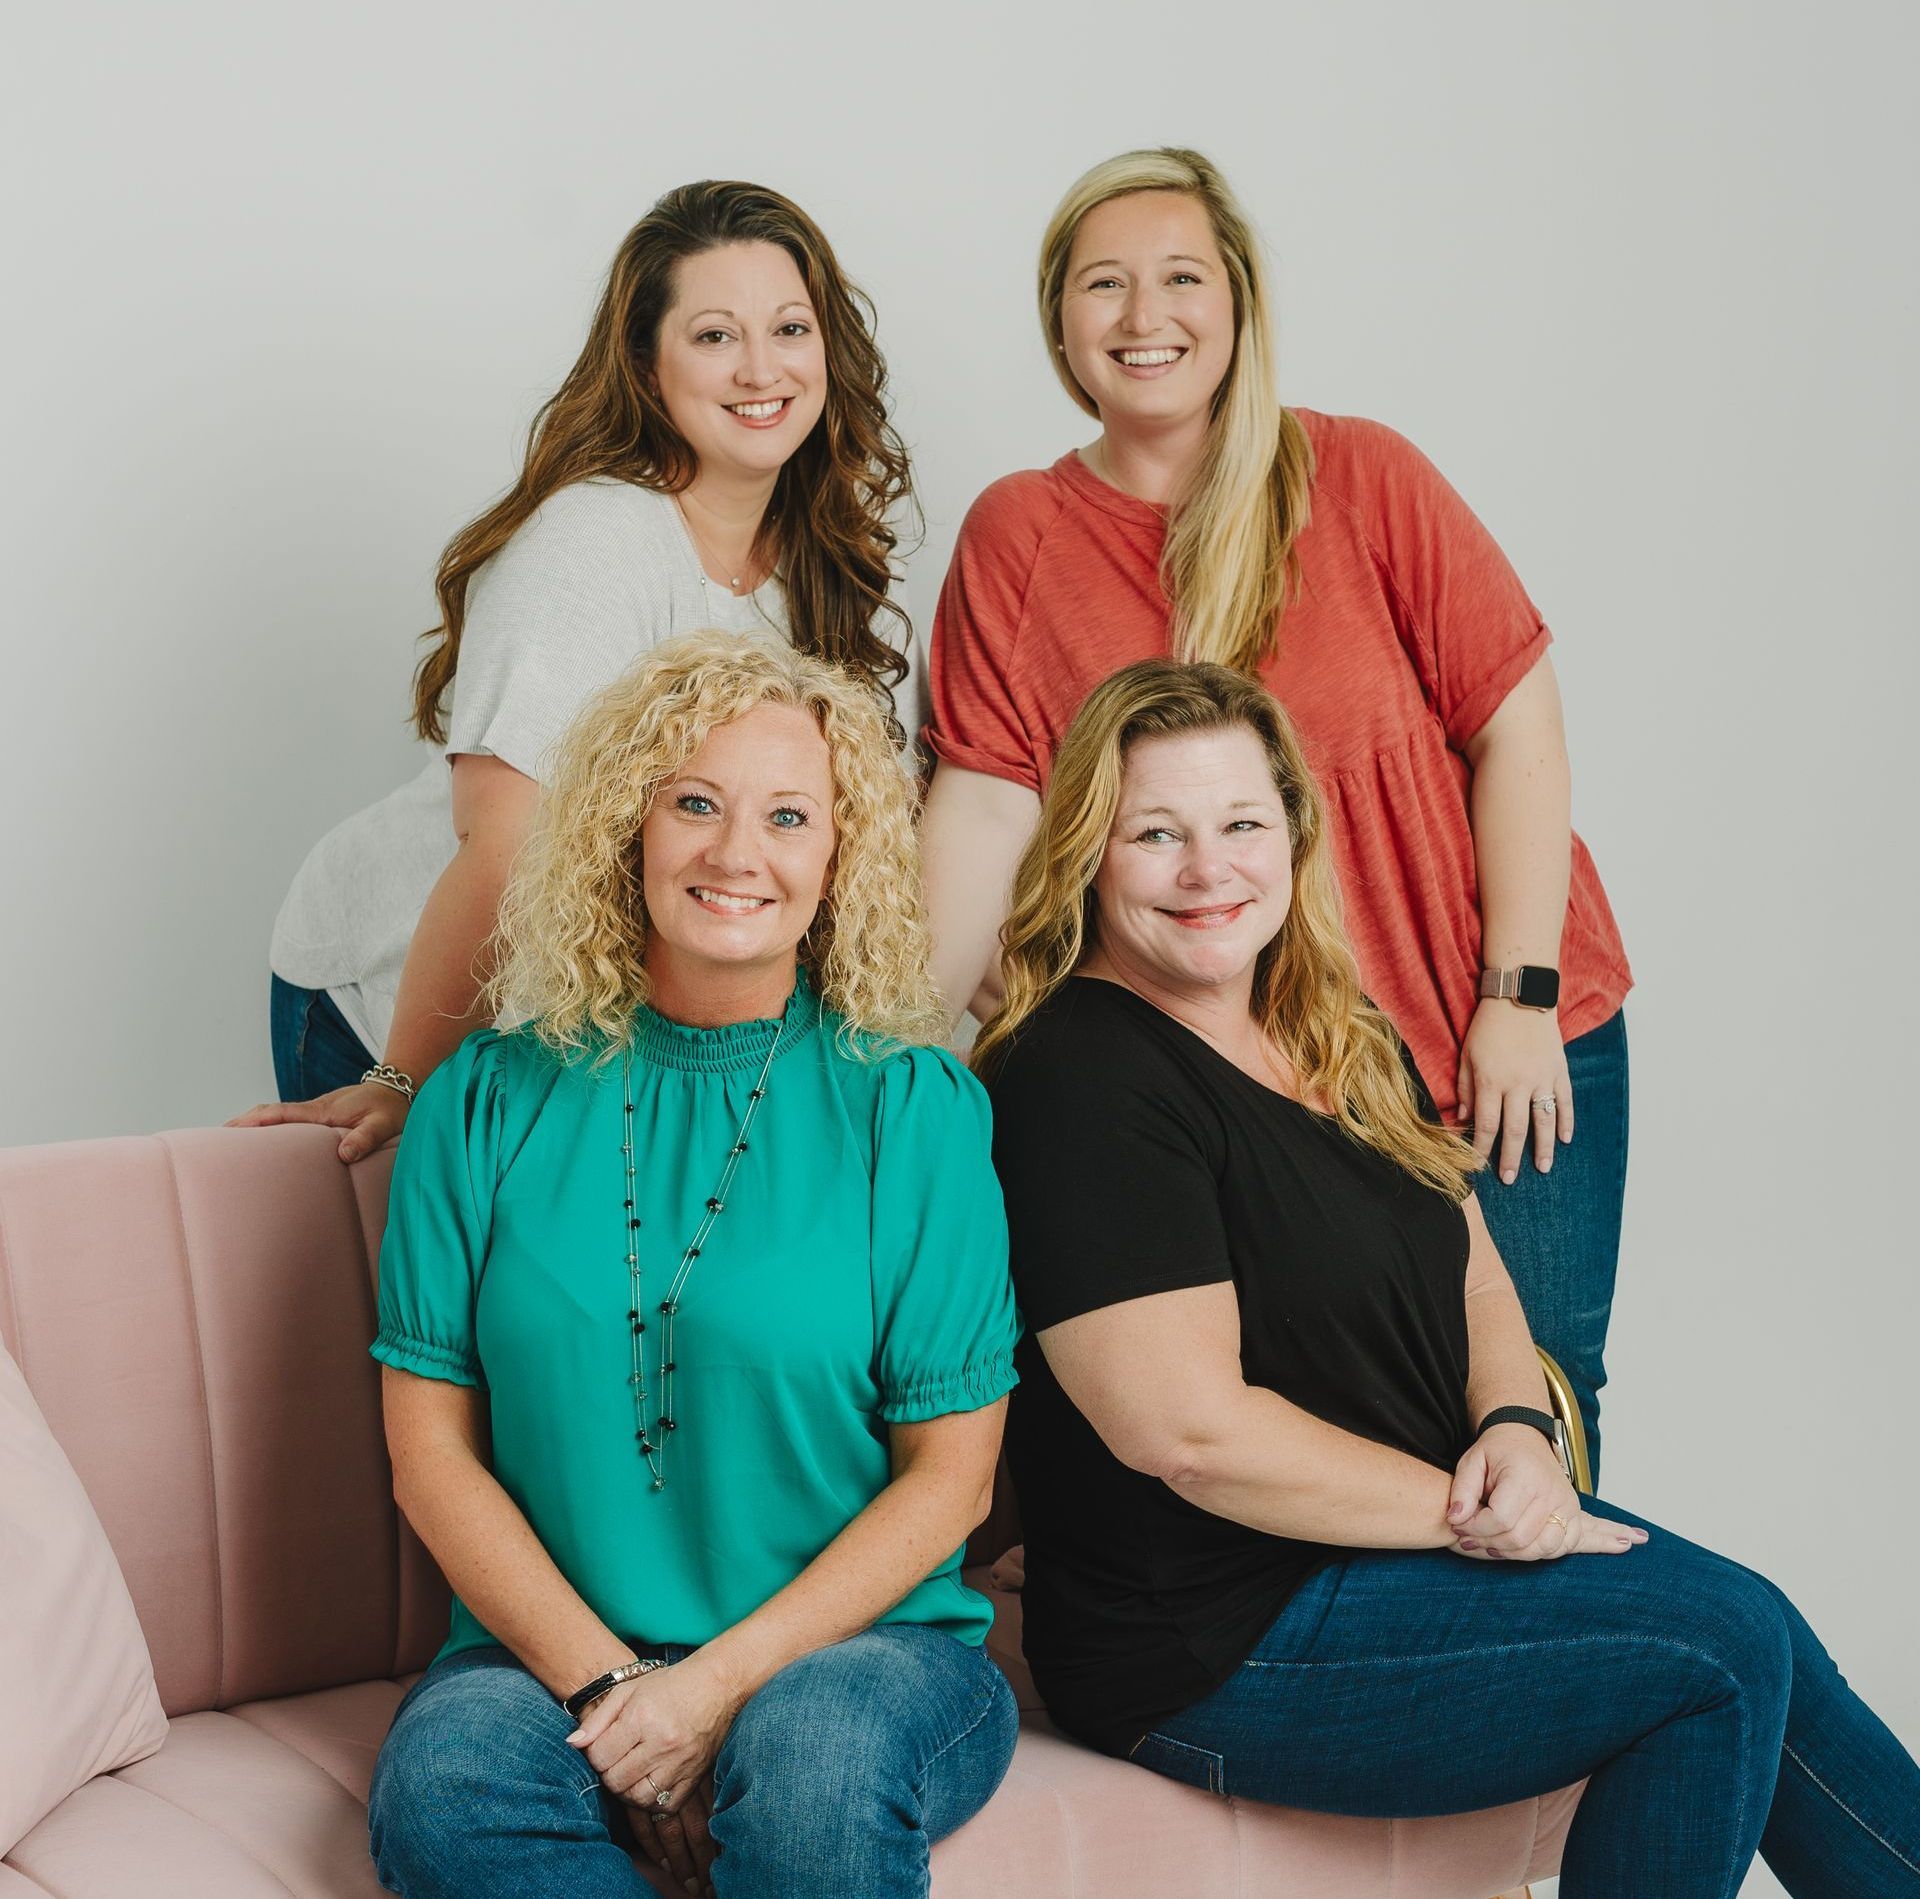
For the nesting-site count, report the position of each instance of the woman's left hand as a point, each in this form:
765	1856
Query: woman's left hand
1513	1084
658	1734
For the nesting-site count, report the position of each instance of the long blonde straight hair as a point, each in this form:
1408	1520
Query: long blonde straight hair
1229	562
1306	984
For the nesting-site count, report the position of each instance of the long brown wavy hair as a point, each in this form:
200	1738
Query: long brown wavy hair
1228	565
570	947
829	525
1306	984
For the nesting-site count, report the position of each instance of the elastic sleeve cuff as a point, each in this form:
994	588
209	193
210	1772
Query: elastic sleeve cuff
1482	700
972	758
978	1386
425	1360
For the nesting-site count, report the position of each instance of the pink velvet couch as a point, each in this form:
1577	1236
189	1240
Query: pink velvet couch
192	1312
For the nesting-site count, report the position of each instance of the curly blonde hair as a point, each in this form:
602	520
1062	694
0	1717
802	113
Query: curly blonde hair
571	944
1306	984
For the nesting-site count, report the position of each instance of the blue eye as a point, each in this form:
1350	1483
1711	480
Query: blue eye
1246	824
1152	834
695	804
787	818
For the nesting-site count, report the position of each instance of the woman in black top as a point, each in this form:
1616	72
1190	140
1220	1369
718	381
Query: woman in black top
1277	1542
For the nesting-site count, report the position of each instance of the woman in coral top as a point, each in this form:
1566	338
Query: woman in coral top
1326	555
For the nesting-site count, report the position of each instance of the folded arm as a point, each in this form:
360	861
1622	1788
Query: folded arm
1159	1378
446	967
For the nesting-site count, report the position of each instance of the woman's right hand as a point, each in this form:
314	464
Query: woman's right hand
679	1844
370	1114
1511	1501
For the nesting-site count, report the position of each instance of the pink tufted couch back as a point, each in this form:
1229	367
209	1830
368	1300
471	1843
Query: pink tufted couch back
192	1312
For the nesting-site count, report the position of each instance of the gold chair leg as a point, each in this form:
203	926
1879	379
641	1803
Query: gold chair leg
1567	1410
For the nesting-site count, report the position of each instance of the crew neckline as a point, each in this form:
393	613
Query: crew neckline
1153	1010
732	1046
1105	496
716	593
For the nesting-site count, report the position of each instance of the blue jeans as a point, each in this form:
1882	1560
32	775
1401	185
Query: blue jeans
837	1777
1710	1719
1559	1232
314	1051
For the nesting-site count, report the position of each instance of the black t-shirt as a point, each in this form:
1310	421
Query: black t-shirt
1137	1159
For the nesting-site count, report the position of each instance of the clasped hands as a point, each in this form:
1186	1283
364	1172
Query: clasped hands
660	1734
1511	1502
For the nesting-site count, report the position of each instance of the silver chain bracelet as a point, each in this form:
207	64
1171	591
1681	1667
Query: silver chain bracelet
390	1077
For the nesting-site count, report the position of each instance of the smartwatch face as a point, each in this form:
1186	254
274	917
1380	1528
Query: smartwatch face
1538	988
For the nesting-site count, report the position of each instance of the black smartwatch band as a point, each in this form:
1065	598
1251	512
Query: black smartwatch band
1544	1422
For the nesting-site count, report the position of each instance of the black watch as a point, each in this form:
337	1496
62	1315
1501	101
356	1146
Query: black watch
1549	1427
1531	985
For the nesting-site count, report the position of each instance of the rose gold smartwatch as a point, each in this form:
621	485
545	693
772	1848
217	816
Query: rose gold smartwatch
1531	985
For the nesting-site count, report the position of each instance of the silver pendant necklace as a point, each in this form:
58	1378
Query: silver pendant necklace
651	1434
706	553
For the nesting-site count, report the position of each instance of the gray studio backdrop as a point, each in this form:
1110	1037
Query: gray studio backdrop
286	285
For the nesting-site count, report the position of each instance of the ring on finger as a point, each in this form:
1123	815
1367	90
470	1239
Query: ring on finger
1545	1104
661	1796
1553	1516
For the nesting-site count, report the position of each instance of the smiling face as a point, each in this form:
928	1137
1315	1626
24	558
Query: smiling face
735	856
739	362
1198	871
1146	312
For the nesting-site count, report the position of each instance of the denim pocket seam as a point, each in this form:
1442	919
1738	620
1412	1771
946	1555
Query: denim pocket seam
1215	1762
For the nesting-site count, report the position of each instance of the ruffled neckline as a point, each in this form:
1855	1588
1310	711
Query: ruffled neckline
733	1045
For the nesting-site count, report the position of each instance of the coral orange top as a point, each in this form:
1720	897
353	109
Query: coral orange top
1408	630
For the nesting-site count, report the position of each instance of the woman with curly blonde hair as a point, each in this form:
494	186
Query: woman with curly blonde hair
1277	1386
697	1331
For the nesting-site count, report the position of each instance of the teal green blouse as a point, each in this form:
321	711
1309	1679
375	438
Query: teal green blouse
857	1278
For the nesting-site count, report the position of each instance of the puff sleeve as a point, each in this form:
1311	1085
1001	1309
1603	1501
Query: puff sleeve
440	1217
944	1320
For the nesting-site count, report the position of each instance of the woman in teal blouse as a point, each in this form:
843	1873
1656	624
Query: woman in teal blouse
697	1331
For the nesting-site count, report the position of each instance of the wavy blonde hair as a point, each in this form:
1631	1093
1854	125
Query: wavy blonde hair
1229	562
1306	984
571	945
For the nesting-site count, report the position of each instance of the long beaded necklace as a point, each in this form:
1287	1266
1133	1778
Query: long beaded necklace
654	1447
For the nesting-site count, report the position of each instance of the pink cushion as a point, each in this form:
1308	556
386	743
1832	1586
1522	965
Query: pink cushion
268	1800
75	1678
